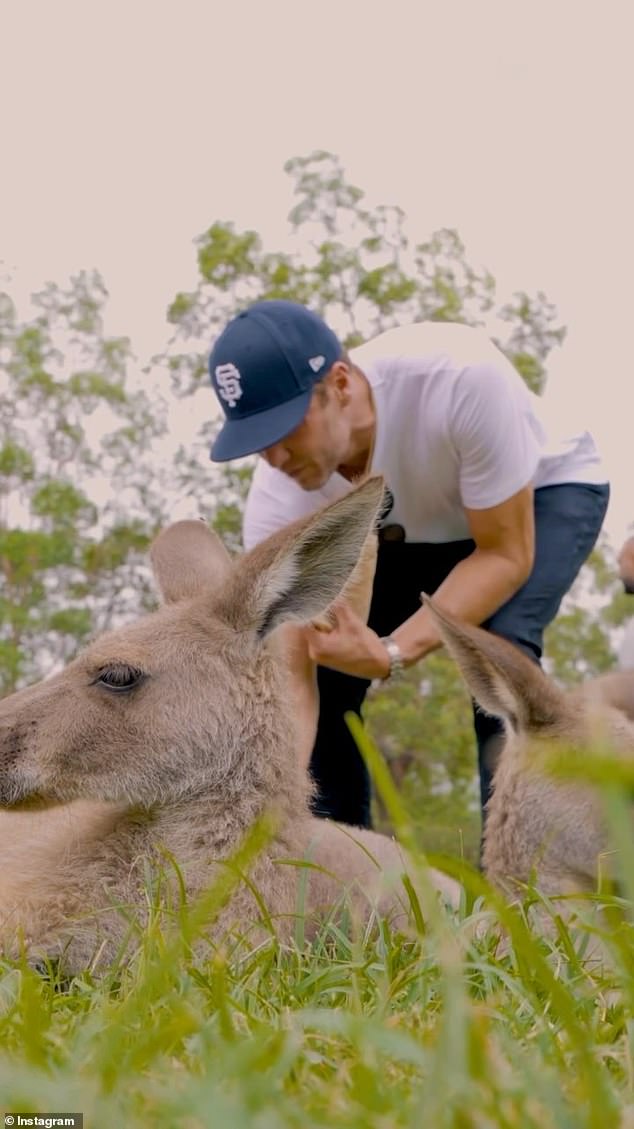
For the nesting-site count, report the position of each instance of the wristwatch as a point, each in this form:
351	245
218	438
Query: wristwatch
397	666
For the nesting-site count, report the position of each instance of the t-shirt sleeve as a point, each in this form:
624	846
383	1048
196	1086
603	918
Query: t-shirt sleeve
494	434
273	501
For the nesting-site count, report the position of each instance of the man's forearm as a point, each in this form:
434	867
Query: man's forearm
474	589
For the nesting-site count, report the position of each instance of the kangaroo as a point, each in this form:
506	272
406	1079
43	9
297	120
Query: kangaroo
540	827
176	734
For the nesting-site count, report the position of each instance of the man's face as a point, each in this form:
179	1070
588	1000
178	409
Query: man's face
314	450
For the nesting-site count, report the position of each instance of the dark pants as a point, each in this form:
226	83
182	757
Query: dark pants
567	523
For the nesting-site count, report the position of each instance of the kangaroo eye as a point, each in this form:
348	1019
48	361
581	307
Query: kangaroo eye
119	677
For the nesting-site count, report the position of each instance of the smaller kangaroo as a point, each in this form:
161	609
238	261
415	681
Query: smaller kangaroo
539	827
176	734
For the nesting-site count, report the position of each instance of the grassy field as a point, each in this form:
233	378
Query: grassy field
380	1031
475	1020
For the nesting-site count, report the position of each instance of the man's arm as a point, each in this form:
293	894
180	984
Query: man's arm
477	586
473	590
498	456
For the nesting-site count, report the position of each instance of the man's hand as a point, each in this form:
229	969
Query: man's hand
350	646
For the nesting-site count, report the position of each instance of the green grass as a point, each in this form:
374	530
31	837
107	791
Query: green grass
377	1031
475	1021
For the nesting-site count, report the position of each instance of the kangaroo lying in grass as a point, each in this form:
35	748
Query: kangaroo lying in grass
541	827
176	734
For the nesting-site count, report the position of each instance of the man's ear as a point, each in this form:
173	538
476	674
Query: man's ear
338	381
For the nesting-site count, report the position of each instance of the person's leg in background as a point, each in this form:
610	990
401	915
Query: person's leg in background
568	521
403	571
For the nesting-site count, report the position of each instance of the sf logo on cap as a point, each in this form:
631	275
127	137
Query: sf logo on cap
228	381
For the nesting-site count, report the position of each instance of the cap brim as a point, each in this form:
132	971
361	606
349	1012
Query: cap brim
240	437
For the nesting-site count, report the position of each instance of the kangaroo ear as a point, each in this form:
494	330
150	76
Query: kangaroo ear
188	558
297	573
502	680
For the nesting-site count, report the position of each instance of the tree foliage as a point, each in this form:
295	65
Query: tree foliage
359	268
72	534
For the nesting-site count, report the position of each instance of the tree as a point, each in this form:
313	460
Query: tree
74	514
359	269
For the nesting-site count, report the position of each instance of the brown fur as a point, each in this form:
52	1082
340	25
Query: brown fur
541	827
188	757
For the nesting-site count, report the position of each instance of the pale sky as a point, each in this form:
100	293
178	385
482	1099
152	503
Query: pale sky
129	126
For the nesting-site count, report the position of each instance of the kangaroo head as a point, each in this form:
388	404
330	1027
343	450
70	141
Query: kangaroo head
506	684
537	820
169	705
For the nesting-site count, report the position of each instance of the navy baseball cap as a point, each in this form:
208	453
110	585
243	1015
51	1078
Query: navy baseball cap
263	368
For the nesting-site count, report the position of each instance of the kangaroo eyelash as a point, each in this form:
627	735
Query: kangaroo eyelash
119	677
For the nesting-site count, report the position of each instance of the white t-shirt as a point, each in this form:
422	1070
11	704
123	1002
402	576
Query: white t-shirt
456	427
